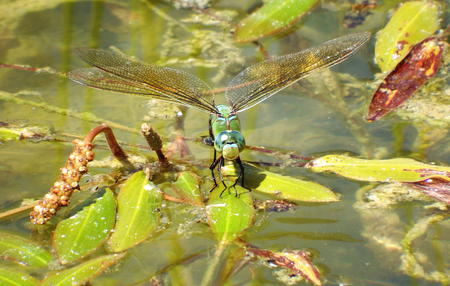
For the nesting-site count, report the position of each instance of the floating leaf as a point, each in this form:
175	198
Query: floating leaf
297	261
18	133
418	66
83	273
229	215
82	233
391	170
411	23
12	277
23	251
288	188
274	16
187	186
138	212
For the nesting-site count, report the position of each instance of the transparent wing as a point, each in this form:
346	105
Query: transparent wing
97	78
116	72
262	80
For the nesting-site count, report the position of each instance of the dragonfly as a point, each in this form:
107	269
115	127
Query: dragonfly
116	72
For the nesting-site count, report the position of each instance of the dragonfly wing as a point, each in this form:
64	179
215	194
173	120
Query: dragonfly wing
177	85
97	78
262	80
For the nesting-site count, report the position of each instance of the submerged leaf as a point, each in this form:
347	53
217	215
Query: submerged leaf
82	273
274	16
11	277
410	24
11	133
288	188
23	251
390	170
82	233
229	215
418	66
138	216
298	262
187	186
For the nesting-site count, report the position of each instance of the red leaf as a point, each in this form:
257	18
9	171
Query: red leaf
421	63
438	189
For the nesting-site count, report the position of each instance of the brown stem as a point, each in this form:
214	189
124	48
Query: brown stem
18	210
154	141
112	142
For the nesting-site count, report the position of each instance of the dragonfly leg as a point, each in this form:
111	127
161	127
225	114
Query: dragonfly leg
212	167
222	163
240	176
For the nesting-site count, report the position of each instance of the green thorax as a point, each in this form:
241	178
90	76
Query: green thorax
226	130
227	120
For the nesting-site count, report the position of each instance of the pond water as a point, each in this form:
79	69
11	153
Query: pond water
324	114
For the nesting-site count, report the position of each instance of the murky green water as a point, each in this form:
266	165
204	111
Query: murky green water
352	246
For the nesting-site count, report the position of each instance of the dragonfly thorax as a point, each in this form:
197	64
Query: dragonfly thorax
230	143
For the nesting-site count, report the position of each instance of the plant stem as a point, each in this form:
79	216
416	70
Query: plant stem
213	264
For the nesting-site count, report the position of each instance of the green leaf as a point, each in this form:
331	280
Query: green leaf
8	134
187	186
84	232
274	16
230	215
285	187
411	23
391	170
138	212
82	273
23	251
12	277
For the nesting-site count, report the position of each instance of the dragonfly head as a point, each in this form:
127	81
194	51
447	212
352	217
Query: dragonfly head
230	143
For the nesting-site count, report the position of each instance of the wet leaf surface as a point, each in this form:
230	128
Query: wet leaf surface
84	232
421	63
274	16
390	170
229	215
411	23
139	203
288	188
12	277
82	273
187	186
23	251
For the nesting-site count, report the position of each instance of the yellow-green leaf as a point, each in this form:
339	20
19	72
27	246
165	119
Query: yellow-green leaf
229	215
411	23
390	170
84	232
138	202
274	16
285	187
23	251
82	273
12	277
187	186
